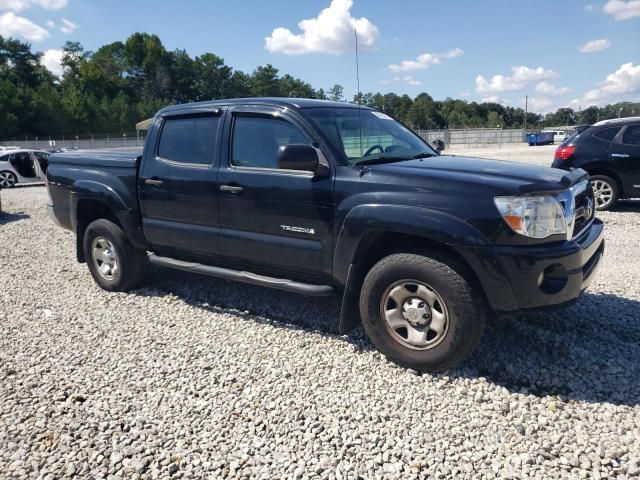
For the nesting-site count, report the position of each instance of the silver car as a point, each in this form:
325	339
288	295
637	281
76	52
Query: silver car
22	166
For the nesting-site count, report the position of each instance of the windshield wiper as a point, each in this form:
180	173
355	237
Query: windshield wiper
424	155
376	160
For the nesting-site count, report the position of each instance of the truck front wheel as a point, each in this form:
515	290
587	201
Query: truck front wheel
115	264
420	313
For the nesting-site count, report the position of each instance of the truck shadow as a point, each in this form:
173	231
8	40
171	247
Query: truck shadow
627	206
589	351
12	217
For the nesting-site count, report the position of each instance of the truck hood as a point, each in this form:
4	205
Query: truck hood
517	178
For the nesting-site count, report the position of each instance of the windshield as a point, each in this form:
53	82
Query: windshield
367	136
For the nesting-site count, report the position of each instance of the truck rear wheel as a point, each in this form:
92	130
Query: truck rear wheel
115	264
420	313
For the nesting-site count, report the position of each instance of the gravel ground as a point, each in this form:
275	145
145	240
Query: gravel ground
521	152
191	377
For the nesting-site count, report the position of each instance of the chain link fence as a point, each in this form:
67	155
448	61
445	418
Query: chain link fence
470	137
84	142
474	137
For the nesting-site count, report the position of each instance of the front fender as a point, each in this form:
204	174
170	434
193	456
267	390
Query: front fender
363	220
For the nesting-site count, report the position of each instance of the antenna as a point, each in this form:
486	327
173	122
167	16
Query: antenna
355	33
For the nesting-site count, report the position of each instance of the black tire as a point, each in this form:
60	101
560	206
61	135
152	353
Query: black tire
130	263
615	191
464	308
10	177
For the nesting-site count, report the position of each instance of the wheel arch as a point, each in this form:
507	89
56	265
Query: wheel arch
88	210
608	173
358	253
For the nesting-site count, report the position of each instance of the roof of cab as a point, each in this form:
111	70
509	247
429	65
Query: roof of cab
271	101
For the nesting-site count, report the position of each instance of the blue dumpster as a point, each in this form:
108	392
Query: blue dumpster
542	138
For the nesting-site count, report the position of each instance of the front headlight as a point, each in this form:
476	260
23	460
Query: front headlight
536	217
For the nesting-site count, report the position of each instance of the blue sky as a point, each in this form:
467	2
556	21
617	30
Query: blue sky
492	49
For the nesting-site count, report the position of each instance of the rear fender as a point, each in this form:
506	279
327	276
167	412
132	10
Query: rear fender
120	206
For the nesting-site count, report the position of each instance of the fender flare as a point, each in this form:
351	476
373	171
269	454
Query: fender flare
363	220
105	194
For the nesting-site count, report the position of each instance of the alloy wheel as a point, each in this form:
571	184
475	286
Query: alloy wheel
7	179
603	193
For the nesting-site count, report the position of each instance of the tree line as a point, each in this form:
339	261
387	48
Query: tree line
121	83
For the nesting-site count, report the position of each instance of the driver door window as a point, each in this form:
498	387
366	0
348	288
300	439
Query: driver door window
256	140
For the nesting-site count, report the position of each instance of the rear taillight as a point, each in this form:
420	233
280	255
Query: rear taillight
564	152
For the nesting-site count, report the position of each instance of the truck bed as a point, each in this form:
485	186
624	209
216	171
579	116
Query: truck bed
99	158
103	176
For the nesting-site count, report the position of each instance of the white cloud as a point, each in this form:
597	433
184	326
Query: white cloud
520	78
424	61
332	31
19	5
593	46
52	60
622	9
407	79
12	25
546	88
68	26
464	94
620	85
51	24
542	105
588	8
495	99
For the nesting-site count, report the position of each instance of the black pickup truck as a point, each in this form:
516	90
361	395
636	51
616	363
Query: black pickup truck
323	198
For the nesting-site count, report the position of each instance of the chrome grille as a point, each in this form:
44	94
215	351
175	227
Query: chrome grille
579	207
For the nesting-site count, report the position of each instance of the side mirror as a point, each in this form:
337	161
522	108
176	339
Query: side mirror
298	156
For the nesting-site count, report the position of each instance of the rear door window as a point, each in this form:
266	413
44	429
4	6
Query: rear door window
607	134
189	140
631	135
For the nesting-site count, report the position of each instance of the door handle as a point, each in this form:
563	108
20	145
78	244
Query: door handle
154	182
231	188
620	155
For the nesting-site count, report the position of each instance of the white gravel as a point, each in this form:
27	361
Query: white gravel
519	152
198	378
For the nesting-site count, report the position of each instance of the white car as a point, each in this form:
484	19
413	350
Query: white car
22	166
559	136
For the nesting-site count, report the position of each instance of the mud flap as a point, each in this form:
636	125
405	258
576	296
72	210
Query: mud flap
350	311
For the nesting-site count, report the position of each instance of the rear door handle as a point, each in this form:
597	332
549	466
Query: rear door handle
154	182
620	155
231	188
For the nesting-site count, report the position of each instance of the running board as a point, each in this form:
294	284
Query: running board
246	277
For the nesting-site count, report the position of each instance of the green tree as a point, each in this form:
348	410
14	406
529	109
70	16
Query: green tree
335	93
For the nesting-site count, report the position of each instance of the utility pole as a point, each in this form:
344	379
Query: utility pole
526	106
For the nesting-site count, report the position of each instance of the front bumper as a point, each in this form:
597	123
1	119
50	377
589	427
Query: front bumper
523	278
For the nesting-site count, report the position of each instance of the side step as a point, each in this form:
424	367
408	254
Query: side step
246	277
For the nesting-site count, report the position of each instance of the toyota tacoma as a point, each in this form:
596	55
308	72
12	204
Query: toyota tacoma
325	198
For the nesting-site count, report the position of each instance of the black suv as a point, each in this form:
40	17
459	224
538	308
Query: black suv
610	152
